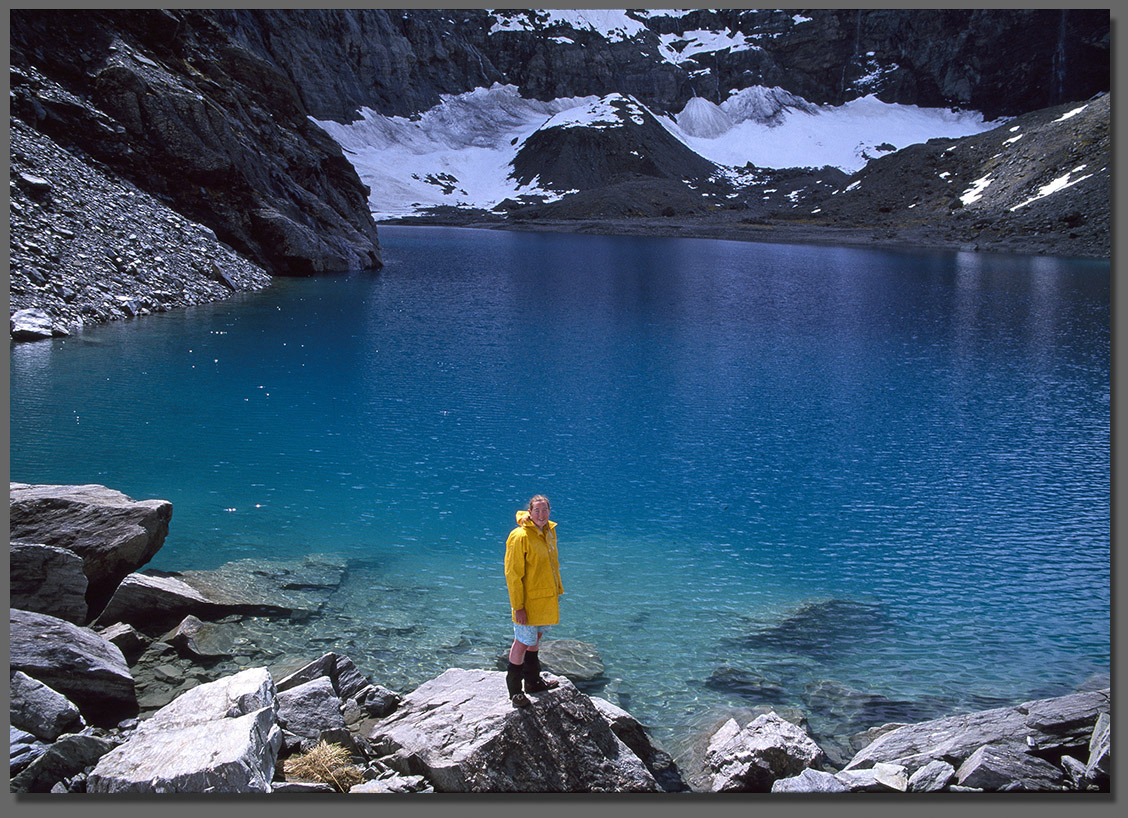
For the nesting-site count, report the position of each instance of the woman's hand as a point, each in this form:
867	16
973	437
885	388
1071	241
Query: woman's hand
521	617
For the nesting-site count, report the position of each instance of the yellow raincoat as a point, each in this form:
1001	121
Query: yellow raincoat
532	571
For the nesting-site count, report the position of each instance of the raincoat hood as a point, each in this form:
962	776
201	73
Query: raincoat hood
526	520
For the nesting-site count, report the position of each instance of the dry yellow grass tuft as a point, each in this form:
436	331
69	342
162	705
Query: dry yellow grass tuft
327	763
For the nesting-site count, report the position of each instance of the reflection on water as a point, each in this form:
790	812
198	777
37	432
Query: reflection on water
862	484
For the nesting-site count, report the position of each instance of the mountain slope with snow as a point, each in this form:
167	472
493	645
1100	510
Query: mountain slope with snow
461	153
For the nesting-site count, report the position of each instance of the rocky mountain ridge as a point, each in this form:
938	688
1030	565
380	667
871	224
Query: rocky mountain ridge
399	61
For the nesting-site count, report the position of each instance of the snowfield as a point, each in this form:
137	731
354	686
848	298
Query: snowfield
459	152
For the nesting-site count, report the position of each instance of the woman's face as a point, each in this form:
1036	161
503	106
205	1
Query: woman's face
539	512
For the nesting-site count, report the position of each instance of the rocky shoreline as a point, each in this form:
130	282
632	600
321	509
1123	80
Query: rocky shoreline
125	680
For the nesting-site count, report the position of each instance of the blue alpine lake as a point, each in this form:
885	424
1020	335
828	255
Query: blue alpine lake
871	485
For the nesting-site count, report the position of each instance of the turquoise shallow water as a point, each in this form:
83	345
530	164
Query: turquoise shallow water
913	445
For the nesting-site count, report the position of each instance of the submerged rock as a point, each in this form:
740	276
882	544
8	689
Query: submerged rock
293	588
577	660
820	628
203	640
746	683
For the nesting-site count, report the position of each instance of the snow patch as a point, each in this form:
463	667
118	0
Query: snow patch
814	136
678	48
468	140
613	24
1060	183
1071	114
975	192
601	114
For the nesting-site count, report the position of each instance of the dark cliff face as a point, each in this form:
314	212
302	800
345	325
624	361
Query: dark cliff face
1001	62
172	103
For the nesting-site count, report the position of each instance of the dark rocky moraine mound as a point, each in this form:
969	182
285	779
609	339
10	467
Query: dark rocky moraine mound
612	140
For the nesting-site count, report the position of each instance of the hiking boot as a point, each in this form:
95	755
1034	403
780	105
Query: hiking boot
534	682
513	675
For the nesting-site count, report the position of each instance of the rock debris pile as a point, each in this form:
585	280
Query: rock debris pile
89	247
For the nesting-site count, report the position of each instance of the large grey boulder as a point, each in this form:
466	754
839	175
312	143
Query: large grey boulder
113	534
219	737
1045	725
41	711
47	579
932	777
311	712
30	324
346	678
1009	768
753	757
461	732
631	732
861	780
810	781
349	684
152	602
74	661
1098	769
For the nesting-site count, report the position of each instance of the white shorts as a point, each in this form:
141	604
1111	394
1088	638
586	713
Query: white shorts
529	635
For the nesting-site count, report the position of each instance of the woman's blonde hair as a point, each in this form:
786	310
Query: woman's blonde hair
536	498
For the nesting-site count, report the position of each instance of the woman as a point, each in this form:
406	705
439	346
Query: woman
532	572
